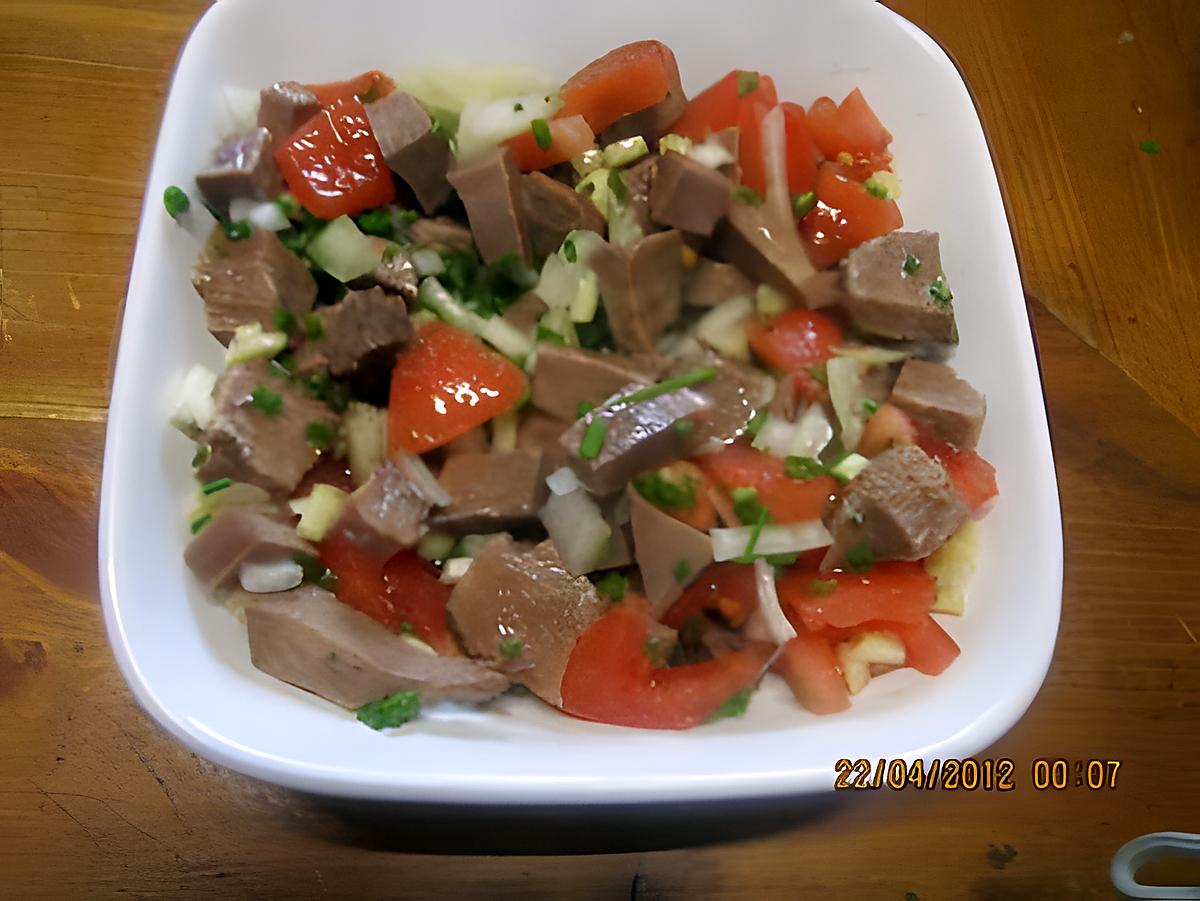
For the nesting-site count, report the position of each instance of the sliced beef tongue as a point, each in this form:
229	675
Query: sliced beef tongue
309	638
411	148
642	288
524	595
525	312
442	234
688	195
902	507
656	120
670	554
241	535
390	510
247	281
283	108
886	298
711	283
243	166
639	183
490	189
539	432
744	240
733	397
934	395
565	377
639	436
258	431
491	492
553	210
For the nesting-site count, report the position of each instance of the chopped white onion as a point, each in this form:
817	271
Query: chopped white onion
723	328
455	568
427	262
263	215
251	341
563	481
774	539
581	534
768	622
241	109
712	153
846	395
872	356
343	251
452	84
485	124
275	575
366	439
191	399
806	437
318	511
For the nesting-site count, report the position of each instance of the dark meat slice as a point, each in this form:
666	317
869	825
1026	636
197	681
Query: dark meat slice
902	507
933	394
283	108
553	210
670	554
711	283
442	234
688	195
733	398
744	239
565	377
824	289
412	150
491	492
389	512
654	121
246	281
242	167
525	312
540	432
490	189
639	182
261	442
309	638
396	273
241	535
642	288
526	596
474	441
883	299
360	336
639	436
731	140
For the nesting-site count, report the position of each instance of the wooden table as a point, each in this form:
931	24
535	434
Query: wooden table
95	800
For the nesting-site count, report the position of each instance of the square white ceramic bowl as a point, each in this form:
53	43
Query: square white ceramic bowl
186	658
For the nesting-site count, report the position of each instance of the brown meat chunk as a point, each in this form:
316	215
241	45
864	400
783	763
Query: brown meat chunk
360	335
567	376
688	195
525	312
249	442
388	512
639	436
283	108
540	432
396	273
884	300
311	639
242	167
670	554
733	397
902	506
642	288
491	491
656	120
933	394
744	239
241	535
526	595
412	150
442	234
639	183
246	281
553	210
710	284
490	189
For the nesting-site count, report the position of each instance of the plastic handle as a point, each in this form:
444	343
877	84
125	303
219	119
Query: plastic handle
1133	855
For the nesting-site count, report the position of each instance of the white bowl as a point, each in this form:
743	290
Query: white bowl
186	658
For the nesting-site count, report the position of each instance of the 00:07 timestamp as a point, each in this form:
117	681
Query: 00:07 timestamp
969	774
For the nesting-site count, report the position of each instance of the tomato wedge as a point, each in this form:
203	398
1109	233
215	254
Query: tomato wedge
445	384
403	591
568	138
899	591
609	679
927	647
803	155
845	216
809	666
725	588
333	164
796	340
972	475
625	80
888	426
850	127
366	87
787	499
719	105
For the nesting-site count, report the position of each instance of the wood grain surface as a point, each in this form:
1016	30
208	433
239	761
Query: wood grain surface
95	801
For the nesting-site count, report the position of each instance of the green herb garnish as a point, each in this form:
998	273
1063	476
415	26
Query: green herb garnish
593	438
216	485
320	434
756	423
391	711
314	328
682	571
518	107
654	649
237	231
860	557
541	133
569	251
314	572
549	336
270	402
803	204
612	586
870	407
746	505
747	555
284	320
511	648
176	201
684	426
200	457
781	559
747	194
822	587
746	83
940	292
200	522
911	265
616	184
377	222
734	707
583	408
665	493
876	190
689	378
805	469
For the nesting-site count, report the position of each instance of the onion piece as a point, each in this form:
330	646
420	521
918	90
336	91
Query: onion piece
451	85
581	534
422	479
768	622
712	153
250	342
873	356
266	578
191	399
723	328
847	396
365	427
789	538
777	205
427	262
455	568
241	109
563	481
488	123
806	437
343	251
263	215
318	511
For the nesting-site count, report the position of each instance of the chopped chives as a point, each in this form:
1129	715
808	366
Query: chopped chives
593	438
314	328
583	408
746	194
320	434
860	557
822	587
686	380
940	292
284	319
200	522
802	468
541	133
682	571
569	251
511	648
237	231
684	426
757	421
216	485
748	554
391	710
612	586
616	184
518	107
270	402
200	457
781	559
870	407
911	265
803	204
746	505
176	201
747	82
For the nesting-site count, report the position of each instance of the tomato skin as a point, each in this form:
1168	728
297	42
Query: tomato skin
750	145
898	591
971	474
725	588
803	155
845	216
787	499
333	164
608	678
373	83
625	80
718	106
702	515
403	589
568	138
796	340
809	666
445	384
927	647
847	127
